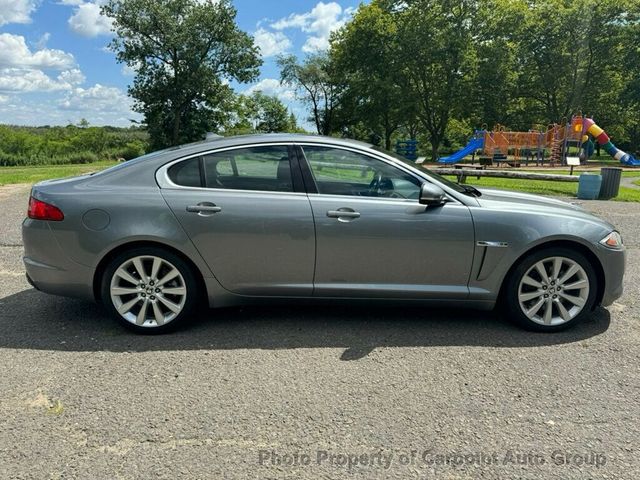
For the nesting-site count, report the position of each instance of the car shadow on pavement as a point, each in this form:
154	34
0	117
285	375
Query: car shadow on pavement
32	320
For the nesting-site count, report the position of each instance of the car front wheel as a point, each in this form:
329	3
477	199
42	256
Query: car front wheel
551	290
149	290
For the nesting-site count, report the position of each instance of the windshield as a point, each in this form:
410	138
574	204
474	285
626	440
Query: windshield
454	186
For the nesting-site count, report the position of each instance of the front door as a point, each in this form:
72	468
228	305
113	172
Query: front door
373	237
244	214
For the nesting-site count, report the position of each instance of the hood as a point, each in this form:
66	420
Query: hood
524	199
536	204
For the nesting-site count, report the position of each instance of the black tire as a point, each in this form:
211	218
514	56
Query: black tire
511	304
188	278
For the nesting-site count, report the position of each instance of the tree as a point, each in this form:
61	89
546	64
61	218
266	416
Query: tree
436	48
182	52
314	80
373	89
261	113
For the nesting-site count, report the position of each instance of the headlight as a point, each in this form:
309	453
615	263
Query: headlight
613	240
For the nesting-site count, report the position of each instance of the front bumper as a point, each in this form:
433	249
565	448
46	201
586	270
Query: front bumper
48	268
613	264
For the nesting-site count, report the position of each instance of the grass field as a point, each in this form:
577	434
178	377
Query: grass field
11	175
542	187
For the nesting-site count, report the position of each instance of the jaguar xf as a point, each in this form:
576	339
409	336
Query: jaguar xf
279	217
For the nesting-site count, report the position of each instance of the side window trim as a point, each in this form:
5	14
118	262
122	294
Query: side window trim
307	176
164	180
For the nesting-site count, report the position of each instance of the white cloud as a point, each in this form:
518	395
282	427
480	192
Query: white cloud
14	52
99	97
271	86
88	22
271	43
61	109
23	70
42	42
19	80
16	11
319	22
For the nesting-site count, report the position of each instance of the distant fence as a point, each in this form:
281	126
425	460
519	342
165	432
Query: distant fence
463	173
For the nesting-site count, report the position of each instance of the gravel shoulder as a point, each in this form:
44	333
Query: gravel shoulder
312	392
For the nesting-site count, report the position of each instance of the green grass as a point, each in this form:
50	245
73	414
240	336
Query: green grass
542	187
11	175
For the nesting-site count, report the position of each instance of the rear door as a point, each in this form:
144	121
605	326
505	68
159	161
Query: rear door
373	237
248	215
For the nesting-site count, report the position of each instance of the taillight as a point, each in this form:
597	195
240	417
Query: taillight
39	210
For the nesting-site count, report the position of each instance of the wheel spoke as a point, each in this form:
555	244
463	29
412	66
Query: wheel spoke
579	285
534	309
169	276
577	301
525	297
175	308
157	313
564	313
542	271
573	269
125	307
155	268
174	290
124	291
548	310
137	262
557	266
142	314
122	273
531	282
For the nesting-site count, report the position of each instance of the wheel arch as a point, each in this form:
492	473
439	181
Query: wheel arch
580	247
109	256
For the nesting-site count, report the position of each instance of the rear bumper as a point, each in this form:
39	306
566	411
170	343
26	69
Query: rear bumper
48	268
613	264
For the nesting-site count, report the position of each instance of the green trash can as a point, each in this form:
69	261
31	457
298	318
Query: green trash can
610	182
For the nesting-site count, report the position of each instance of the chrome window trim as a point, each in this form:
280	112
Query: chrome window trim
163	180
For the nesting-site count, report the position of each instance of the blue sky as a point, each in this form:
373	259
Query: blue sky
55	69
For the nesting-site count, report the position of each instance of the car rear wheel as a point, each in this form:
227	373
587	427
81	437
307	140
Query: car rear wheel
149	290
551	290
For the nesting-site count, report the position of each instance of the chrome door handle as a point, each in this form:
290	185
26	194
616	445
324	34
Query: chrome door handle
204	208
343	214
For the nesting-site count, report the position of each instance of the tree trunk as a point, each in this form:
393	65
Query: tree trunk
175	134
435	144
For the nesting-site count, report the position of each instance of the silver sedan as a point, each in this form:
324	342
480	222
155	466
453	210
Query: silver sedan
249	219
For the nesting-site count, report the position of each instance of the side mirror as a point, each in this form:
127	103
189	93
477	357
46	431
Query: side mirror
431	195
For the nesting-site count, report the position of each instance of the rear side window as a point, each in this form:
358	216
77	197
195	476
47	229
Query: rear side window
264	168
186	173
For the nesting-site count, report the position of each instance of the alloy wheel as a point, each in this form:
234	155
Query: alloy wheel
148	291
553	291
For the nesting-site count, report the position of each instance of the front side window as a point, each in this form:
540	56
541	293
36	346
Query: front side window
254	168
343	172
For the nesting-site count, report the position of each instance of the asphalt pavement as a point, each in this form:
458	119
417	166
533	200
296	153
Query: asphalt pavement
314	392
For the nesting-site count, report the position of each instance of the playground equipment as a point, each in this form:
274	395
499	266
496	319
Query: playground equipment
407	148
586	126
533	145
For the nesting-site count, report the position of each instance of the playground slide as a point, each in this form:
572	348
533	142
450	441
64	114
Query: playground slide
473	145
603	139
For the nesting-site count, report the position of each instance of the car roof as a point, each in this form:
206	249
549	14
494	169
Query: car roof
237	140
